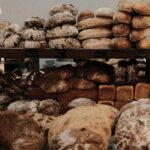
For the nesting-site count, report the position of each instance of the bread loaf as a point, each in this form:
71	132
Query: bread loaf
94	33
137	35
104	43
93	23
122	17
125	6
60	8
85	15
144	43
125	93
141	22
64	43
142	7
32	34
104	12
121	30
121	43
59	19
62	31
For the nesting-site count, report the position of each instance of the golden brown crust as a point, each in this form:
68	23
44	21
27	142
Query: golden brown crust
85	15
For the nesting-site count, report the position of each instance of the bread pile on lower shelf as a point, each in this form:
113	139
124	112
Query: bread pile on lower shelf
122	24
141	25
61	31
33	34
95	32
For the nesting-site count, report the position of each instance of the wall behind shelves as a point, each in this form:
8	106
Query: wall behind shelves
17	10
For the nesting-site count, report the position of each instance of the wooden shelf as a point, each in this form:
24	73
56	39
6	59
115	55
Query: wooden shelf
20	53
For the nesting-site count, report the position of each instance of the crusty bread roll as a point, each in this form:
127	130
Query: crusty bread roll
94	33
85	15
141	22
33	44
103	43
121	43
19	132
142	7
64	43
60	8
62	31
33	34
121	30
94	22
59	19
144	43
93	127
4	24
34	22
104	12
125	6
81	84
137	35
122	17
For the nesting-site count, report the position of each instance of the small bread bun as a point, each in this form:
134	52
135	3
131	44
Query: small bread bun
104	12
85	15
144	43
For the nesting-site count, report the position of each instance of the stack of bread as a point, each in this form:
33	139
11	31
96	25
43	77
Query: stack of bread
33	34
10	36
61	31
141	25
122	20
95	32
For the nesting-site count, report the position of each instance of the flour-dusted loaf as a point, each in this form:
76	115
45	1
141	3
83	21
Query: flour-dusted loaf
141	22
64	43
59	19
99	122
62	31
33	34
80	102
142	7
121	43
107	92
94	33
125	93
94	22
34	22
144	43
82	84
85	15
60	8
142	90
137	35
125	6
103	43
104	12
33	44
122	17
121	30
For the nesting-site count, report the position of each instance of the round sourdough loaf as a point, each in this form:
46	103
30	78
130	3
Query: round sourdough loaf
60	8
94	22
85	15
94	33
59	19
33	34
122	17
141	22
121	43
104	12
137	35
103	43
64	43
125	6
34	22
62	31
144	43
142	7
121	30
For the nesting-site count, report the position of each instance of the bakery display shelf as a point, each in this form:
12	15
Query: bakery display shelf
21	53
